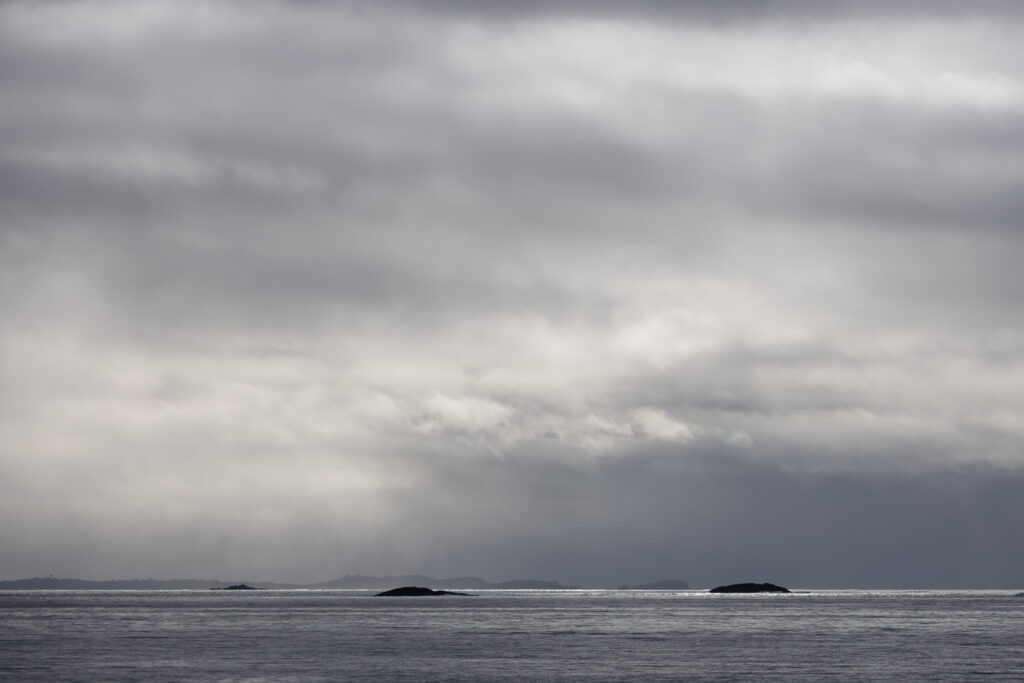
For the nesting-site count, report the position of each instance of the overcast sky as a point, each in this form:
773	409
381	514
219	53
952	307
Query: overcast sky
604	293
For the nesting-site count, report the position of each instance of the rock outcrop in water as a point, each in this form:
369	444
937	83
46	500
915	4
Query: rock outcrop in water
414	591
750	588
237	587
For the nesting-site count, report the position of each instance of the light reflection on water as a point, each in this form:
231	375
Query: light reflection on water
508	635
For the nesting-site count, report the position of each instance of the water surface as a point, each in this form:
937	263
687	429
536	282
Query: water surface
509	635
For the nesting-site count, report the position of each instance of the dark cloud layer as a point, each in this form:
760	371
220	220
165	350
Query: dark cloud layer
603	294
709	517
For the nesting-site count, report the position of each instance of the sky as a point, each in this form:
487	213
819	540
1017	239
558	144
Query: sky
596	292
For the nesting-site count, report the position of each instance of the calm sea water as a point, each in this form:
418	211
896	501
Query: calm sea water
509	635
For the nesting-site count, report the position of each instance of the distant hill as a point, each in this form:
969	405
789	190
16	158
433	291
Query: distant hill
351	582
54	584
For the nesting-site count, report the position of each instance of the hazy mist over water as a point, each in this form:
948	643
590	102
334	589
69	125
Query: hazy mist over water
603	293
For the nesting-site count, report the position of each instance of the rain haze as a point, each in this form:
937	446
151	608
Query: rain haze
596	292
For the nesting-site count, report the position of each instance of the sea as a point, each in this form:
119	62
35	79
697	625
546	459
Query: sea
510	635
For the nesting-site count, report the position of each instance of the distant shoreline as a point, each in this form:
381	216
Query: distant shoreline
377	583
351	582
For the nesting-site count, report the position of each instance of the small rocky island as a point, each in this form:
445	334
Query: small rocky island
237	587
414	592
750	588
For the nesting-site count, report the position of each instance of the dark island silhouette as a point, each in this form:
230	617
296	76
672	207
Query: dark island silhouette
749	588
414	592
237	587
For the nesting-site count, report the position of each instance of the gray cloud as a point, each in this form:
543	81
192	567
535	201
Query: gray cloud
742	12
595	294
